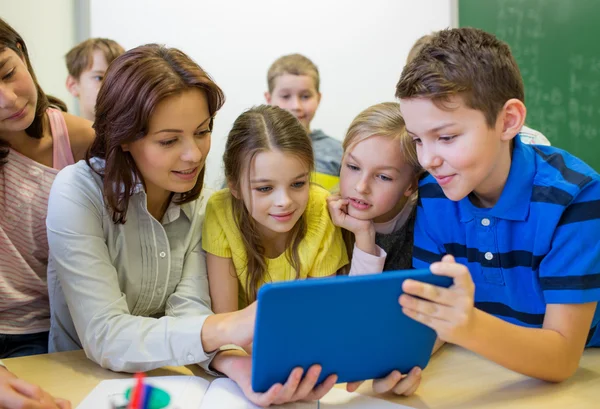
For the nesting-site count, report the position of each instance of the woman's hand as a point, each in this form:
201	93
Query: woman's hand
298	387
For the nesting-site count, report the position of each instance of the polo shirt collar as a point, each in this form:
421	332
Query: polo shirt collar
516	195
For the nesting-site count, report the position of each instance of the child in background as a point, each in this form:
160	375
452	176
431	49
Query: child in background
516	226
87	62
293	82
528	135
36	141
271	224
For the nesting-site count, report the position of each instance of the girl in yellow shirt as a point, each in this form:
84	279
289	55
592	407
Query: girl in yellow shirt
271	224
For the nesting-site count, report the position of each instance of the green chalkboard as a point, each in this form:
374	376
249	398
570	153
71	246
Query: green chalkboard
557	46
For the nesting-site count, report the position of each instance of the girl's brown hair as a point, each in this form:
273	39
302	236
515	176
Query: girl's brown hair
261	129
10	39
134	84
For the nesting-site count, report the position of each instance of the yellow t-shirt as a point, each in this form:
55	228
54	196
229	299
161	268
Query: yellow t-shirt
322	251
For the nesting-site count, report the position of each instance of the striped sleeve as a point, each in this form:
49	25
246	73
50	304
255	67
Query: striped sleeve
570	271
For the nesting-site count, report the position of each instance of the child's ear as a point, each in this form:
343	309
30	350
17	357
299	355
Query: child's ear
513	117
20	53
233	190
414	186
72	86
268	97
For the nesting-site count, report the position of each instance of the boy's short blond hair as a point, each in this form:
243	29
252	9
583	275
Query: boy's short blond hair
418	46
465	62
295	64
79	58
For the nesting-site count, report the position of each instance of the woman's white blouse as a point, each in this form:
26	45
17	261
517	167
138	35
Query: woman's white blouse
133	295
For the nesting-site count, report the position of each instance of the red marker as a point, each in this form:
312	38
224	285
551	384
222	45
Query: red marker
136	393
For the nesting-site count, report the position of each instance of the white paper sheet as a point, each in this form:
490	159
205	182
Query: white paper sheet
190	392
186	392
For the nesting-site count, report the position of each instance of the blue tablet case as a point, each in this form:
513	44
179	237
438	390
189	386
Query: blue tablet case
351	326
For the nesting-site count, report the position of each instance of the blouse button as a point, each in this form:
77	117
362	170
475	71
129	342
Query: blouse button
489	256
162	254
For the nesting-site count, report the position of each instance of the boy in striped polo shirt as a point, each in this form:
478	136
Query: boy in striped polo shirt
516	226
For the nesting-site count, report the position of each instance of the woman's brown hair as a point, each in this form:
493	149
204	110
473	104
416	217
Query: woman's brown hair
134	84
10	39
261	129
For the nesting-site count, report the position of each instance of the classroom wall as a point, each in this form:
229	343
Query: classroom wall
359	46
48	28
236	41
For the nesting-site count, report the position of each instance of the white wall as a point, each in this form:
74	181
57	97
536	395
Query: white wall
48	28
359	46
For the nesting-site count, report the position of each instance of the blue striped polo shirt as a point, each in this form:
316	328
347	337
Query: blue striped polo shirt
540	243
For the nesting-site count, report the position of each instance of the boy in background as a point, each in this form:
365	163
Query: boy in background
293	82
87	62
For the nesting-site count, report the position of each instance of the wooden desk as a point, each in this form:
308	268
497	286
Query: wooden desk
455	379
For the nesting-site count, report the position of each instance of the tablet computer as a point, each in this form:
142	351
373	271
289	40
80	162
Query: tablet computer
351	326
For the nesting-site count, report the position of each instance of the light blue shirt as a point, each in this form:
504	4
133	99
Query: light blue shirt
133	295
328	153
